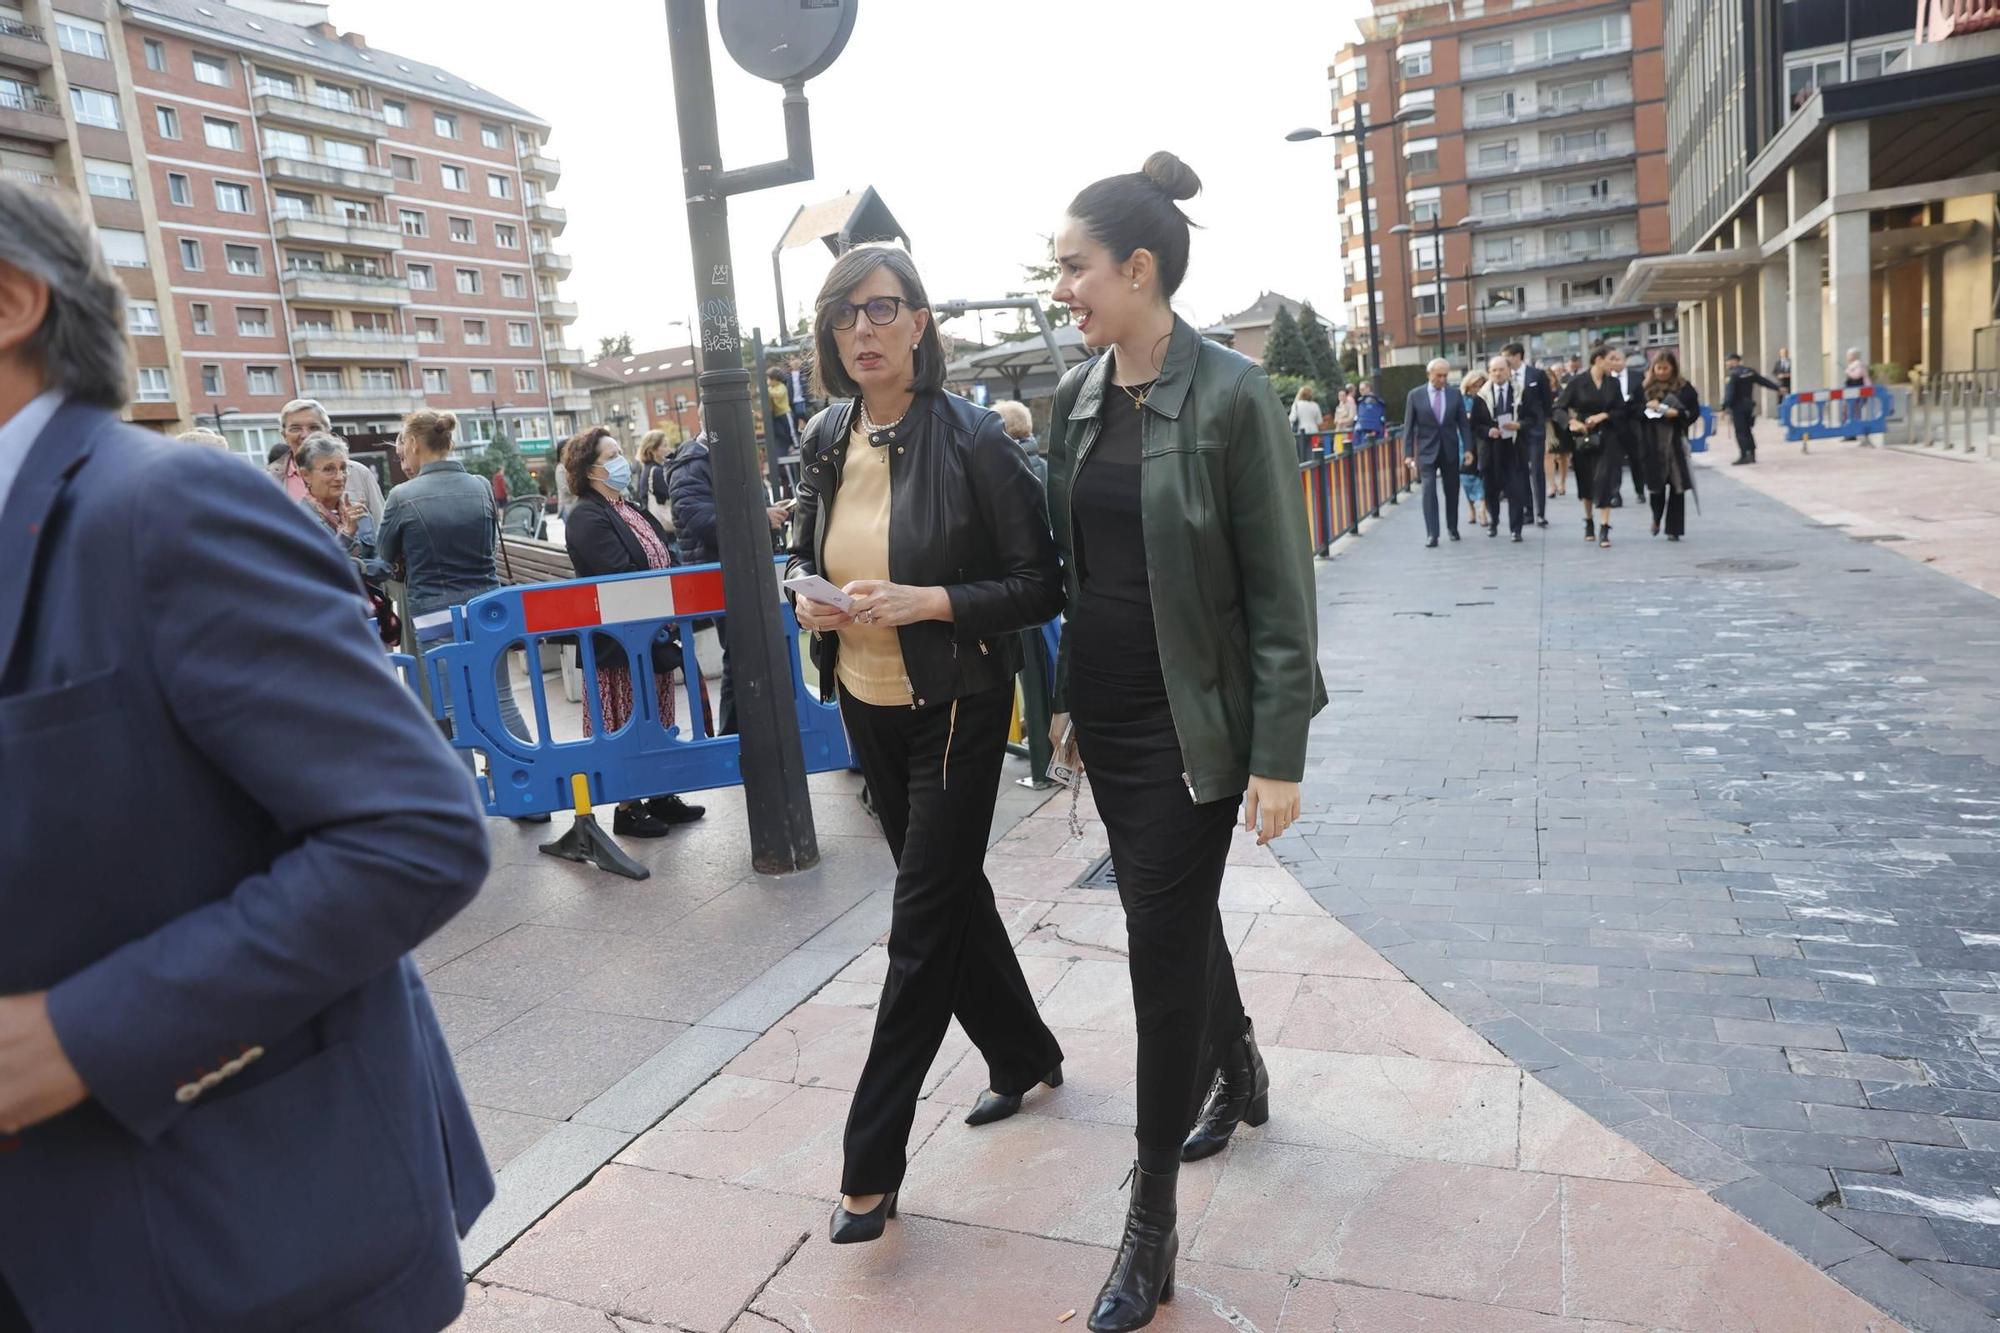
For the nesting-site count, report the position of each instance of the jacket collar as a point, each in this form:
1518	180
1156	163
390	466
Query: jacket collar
1169	392
62	448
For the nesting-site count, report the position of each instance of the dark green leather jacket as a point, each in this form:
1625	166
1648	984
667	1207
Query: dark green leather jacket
1229	554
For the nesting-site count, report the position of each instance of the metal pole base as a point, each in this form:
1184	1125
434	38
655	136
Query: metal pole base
587	841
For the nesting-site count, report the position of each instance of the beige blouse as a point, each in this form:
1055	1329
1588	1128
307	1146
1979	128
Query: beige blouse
857	547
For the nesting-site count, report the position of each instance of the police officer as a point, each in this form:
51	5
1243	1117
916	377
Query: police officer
1739	400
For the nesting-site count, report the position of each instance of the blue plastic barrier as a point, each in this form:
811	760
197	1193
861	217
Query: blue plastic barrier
641	759
1698	440
1837	414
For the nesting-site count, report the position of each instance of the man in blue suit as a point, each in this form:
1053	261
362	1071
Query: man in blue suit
225	1102
1538	404
1437	431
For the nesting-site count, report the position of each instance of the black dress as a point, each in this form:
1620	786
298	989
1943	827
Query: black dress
1600	454
1669	470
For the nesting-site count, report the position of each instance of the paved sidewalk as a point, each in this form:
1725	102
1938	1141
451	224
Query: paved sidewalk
1705	835
1411	1176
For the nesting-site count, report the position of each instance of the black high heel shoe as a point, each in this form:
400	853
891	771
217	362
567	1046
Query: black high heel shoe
1604	537
1142	1276
1589	528
1241	1094
993	1106
851	1228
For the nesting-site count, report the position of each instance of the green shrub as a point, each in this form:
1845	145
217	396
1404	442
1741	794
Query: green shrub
1888	372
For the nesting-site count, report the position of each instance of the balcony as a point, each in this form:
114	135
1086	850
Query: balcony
371	402
554	263
1542	60
1530	259
283	166
40	181
316	111
324	344
565	356
329	229
1540	312
569	400
541	165
23	44
351	286
31	116
1551	109
545	214
564	312
1517	163
1571	208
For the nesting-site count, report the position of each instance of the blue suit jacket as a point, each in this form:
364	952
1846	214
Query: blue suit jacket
1538	400
224	825
1432	441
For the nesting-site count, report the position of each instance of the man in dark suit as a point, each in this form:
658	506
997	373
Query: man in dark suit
1633	380
1538	404
225	1101
1739	400
1437	433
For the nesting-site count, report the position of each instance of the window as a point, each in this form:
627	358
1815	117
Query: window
1427	303
415	221
154	386
142	317
513	284
1424	210
430	329
1496	203
1493	106
437	379
481	380
527	380
211	70
312	321
211	379
109	180
191	254
1872	64
524	142
179	189
402	168
445	124
253	321
278	83
289	142
222	133
336	96
397	114
500	187
123	249
1424	160
1499	249
1582	142
468	281
1498	154
1416	65
244	260
322	379
83	36
291	204
263	380
94	108
475	331
489	136
345	153
1491	55
520	334
453	177
201	319
462	232
421	277
167	121
156	56
231	197
506	236
379	379
305	261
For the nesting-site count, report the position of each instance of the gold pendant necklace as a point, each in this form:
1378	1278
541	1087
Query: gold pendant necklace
1138	395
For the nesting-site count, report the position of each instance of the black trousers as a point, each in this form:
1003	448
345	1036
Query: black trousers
934	778
1169	855
1430	475
1672	506
1746	441
1507	478
1535	441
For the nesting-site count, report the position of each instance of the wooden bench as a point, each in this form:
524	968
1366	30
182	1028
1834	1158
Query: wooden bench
525	560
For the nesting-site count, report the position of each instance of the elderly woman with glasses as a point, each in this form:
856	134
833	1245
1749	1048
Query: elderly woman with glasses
923	514
299	420
322	462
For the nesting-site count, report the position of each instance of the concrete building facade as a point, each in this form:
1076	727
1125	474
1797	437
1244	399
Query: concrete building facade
296	214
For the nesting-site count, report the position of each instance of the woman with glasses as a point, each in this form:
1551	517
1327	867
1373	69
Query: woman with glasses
1188	665
923	514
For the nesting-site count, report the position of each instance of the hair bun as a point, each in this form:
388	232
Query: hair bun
1172	175
448	422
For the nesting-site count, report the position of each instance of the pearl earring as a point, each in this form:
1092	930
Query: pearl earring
1135	286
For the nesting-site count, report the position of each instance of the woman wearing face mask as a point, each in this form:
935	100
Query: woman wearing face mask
1598	403
1188	665
922	510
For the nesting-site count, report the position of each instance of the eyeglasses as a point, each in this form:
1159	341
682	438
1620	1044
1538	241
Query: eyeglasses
881	310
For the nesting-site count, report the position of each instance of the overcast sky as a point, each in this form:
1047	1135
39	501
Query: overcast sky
976	122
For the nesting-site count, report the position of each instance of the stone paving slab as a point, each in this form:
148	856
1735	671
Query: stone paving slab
1411	1176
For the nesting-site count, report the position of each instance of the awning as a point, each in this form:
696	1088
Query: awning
1660	280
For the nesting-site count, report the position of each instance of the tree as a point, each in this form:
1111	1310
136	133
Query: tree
503	456
1325	375
609	347
1041	284
1285	349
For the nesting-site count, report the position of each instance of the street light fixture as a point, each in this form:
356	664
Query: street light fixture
1358	132
1437	230
217	412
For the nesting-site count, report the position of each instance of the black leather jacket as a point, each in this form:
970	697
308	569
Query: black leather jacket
965	514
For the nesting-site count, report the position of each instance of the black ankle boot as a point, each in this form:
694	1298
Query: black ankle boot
993	1106
1241	1093
1142	1276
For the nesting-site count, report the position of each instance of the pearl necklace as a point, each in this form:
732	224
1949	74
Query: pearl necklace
869	426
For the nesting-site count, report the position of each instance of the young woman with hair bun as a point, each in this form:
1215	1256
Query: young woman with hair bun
1188	666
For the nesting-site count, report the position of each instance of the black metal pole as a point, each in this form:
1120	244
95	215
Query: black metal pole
774	772
1367	240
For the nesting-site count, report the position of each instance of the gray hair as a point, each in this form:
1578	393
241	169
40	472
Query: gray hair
320	444
1434	363
202	435
1499	361
305	405
81	343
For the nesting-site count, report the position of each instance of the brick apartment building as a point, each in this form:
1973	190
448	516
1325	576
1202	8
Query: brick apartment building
296	214
1544	165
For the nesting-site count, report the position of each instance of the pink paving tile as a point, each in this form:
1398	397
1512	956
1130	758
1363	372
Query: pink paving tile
815	1045
1323	1307
1097	1080
1040	878
1379	1018
490	1309
1676	1257
770	1135
1093	993
1266	889
1437	1109
1036	1174
1470	1233
659	1247
926	1276
1558	1138
1318	945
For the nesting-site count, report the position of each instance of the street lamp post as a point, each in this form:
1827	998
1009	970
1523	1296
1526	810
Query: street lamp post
1437	230
217	412
1359	133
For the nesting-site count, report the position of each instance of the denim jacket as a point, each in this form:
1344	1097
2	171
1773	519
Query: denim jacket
441	528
